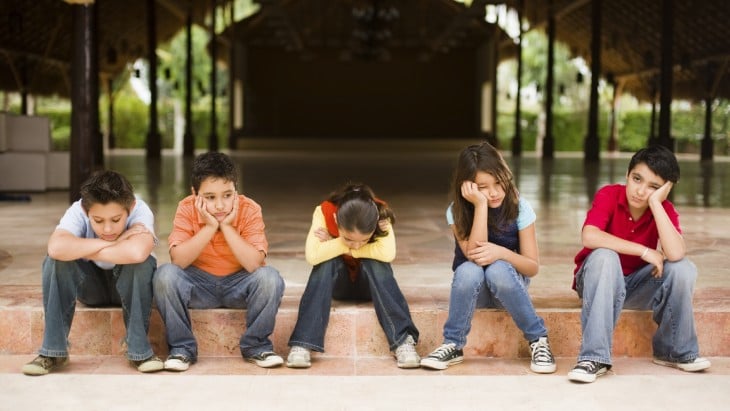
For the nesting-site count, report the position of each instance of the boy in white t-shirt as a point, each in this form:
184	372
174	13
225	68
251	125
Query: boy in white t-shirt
100	253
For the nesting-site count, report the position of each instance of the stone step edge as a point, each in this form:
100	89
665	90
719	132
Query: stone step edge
355	332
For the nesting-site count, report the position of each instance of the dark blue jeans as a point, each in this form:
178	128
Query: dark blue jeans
178	289
375	282
128	285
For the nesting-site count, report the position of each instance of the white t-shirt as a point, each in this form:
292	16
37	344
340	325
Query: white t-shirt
77	222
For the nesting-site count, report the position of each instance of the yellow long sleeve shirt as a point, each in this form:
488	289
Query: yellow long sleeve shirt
317	251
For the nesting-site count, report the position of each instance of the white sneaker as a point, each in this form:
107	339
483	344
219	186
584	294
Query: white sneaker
298	358
177	362
698	364
406	354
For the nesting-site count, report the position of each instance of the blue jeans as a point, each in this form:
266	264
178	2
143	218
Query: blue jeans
178	289
606	291
497	285
64	281
375	281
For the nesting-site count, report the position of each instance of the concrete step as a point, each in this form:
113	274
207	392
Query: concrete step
354	331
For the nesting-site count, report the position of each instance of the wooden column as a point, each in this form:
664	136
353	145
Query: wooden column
188	137
667	75
213	138
85	133
548	144
591	147
154	140
517	138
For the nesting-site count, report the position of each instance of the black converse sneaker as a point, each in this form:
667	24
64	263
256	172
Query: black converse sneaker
542	358
266	359
588	371
442	357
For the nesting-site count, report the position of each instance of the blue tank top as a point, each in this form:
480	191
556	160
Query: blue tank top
507	237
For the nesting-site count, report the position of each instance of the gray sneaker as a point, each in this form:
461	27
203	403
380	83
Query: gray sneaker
298	358
42	365
698	364
406	354
152	364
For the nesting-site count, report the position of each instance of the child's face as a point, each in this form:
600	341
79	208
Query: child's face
354	239
108	221
490	188
641	183
218	195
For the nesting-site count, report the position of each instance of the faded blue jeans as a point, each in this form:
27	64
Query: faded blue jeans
65	281
497	285
375	281
606	291
178	289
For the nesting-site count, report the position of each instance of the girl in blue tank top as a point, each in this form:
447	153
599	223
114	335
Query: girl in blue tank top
495	255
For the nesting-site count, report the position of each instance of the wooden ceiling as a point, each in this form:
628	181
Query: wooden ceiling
36	36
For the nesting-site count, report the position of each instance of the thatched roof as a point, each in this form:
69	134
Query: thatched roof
38	34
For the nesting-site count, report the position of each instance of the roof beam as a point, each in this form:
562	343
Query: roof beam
174	9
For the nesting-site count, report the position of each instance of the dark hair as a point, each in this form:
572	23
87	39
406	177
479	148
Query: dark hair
482	157
104	187
659	159
358	209
213	164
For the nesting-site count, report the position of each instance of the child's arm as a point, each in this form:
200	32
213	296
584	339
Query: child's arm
184	253
65	246
593	237
479	228
526	262
247	255
382	249
134	246
671	240
318	250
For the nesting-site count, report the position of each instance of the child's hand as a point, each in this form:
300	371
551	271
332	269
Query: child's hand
322	234
655	258
231	217
485	253
470	192
383	224
132	231
204	214
661	193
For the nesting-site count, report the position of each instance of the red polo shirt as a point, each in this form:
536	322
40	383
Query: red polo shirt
610	213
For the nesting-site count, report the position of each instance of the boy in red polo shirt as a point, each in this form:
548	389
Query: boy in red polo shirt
634	257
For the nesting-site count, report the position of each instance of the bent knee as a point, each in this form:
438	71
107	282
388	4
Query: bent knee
269	280
166	277
468	274
681	273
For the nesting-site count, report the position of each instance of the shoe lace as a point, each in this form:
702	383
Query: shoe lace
541	351
45	362
589	366
298	349
407	347
443	351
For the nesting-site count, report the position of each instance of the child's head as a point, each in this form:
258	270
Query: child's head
484	165
358	214
214	178
659	159
107	198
